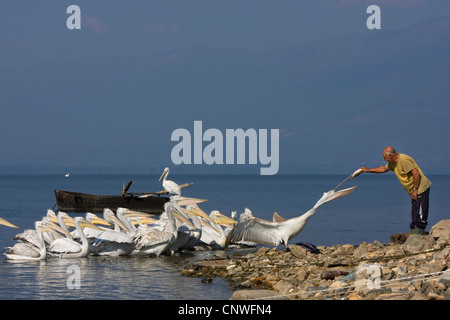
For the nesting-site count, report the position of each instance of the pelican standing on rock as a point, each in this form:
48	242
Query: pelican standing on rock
273	233
170	186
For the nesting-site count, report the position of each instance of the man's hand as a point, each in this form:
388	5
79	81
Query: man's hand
414	195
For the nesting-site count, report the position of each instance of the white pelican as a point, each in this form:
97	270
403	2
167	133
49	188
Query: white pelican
273	233
7	223
93	233
187	232
171	187
50	234
68	248
63	218
153	241
197	215
116	242
213	233
28	251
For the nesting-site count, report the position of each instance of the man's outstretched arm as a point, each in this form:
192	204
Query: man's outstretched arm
380	169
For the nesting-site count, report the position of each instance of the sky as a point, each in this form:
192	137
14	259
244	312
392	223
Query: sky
110	94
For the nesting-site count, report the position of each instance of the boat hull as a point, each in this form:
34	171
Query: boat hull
69	201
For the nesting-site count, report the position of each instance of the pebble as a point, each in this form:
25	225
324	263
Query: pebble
416	269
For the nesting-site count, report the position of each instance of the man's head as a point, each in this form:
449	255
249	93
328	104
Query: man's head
389	154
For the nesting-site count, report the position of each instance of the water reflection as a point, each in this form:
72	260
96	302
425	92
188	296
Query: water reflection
108	278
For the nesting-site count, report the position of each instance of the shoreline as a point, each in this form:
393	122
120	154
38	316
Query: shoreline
410	267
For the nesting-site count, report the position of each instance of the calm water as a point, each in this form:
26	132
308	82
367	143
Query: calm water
376	209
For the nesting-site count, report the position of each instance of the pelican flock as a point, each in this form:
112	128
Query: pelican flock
182	226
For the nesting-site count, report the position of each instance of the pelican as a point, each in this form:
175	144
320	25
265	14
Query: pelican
28	251
116	242
171	187
154	241
68	248
197	216
251	229
7	223
50	234
62	219
213	233
94	233
187	233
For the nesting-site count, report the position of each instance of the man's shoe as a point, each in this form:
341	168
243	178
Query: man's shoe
418	231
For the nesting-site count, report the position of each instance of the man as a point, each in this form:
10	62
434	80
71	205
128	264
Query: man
413	181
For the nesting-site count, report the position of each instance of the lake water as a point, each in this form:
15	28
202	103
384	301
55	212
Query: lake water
376	209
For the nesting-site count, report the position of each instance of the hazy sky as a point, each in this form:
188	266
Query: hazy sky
47	120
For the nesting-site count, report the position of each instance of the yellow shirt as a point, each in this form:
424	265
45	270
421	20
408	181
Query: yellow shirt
403	169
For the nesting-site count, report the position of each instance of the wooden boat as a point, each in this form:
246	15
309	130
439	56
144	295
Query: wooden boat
69	201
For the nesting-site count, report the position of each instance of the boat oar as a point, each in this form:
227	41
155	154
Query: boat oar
125	189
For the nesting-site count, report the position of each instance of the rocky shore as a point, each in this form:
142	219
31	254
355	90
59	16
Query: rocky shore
410	267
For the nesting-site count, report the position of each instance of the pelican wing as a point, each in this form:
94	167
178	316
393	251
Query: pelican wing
23	249
28	235
115	236
257	231
146	237
65	245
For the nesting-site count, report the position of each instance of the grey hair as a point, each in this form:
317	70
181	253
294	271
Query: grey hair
390	150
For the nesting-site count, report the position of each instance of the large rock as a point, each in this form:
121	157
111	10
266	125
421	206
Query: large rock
440	229
298	251
417	243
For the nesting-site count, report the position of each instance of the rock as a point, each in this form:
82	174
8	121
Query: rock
271	280
346	249
338	284
302	274
399	237
445	280
433	266
392	296
354	296
262	251
361	252
283	286
444	240
256	294
330	275
440	229
298	251
417	243
435	296
298	274
419	296
220	263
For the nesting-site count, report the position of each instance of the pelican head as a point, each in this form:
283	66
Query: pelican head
165	172
332	195
52	215
109	216
193	209
221	219
96	220
83	223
